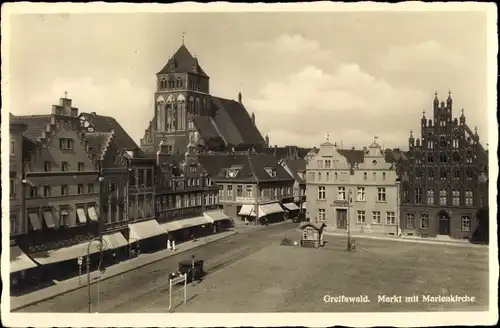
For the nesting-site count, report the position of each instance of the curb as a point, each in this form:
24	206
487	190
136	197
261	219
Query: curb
410	240
93	281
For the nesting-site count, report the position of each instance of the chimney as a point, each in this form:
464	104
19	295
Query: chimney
93	113
253	117
239	97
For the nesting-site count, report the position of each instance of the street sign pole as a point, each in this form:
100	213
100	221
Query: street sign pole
80	262
182	278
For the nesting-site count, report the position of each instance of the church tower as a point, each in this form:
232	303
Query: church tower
182	92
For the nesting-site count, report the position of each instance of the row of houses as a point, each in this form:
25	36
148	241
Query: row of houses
77	177
435	188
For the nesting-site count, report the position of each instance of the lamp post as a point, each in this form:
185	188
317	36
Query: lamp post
398	184
101	249
349	241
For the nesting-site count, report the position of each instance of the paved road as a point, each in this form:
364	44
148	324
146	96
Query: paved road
136	289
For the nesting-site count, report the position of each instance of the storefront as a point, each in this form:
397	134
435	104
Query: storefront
292	211
22	268
145	236
115	248
221	221
271	212
188	229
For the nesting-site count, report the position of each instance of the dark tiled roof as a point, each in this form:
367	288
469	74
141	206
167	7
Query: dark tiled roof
36	125
234	123
108	124
353	155
289	152
97	142
208	132
216	164
183	62
297	165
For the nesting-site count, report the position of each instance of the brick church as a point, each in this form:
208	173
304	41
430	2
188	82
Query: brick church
186	114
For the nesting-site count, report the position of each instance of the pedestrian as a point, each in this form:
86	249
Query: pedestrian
399	232
169	245
173	245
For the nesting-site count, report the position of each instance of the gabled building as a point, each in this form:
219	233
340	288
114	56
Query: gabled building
444	176
183	104
130	184
297	169
61	190
252	185
186	197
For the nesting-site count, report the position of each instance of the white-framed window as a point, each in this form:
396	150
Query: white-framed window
456	143
321	214
418	195
455	194
469	199
361	217
390	217
327	176
239	191
361	194
320	163
321	192
328	164
319	176
229	191
443	197
466	223
410	220
341	193
374	176
383	175
376	217
430	196
12	145
221	191
275	193
424	221
178	201
381	196
248	191
335	176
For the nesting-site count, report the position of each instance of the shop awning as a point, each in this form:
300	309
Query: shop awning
19	261
171	226
144	230
192	222
291	206
35	221
80	213
65	253
214	216
92	213
49	221
115	240
267	209
247	210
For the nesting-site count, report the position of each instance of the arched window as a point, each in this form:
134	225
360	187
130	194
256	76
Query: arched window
197	111
442	173
430	174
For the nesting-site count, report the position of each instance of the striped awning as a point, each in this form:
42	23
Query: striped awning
65	253
291	206
115	240
19	261
247	210
268	209
215	216
144	230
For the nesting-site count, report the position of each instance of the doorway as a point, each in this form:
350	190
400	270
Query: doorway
443	223
341	218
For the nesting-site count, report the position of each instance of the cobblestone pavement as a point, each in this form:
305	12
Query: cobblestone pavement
135	289
294	279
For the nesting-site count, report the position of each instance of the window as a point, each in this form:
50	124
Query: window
221	191
47	166
81	189
455	194
361	217
335	176
319	163
430	174
456	174
424	221
64	166
81	166
140	177
47	191
365	176
443	197
456	143
90	188
149	178
430	197
319	176
311	176
381	196
418	173
13	221
341	193
469	200
64	190
430	158
374	176
430	144
383	176
442	158
12	187
275	193
456	157
390	218
198	198
328	164
63	215
66	144
33	192
248	191
321	214
466	223
12	145
406	196
178	201
376	217
322	193
418	196
361	194
229	191
410	220
468	174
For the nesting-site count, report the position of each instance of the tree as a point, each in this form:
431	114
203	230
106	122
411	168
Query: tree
481	234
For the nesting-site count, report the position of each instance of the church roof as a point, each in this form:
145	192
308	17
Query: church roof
36	125
182	62
208	132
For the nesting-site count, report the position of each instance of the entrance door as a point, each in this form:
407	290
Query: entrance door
443	223
341	218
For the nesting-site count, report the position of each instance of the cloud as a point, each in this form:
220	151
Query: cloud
131	105
350	104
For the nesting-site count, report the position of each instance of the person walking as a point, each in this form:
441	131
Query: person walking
173	245
169	245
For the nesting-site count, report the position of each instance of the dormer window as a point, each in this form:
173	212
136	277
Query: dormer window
66	144
271	171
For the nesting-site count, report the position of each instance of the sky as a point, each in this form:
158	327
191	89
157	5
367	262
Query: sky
354	75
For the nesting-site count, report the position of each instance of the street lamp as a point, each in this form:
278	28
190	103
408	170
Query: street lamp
349	241
398	183
101	248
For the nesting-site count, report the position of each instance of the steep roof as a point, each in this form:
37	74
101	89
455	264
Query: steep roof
109	124
352	155
234	123
250	165
97	142
36	125
297	165
208	131
182	62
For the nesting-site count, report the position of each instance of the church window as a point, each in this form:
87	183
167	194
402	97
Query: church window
456	157
468	174
430	158
442	142
456	174
456	143
443	197
442	173
430	174
418	195
442	158
430	144
430	197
